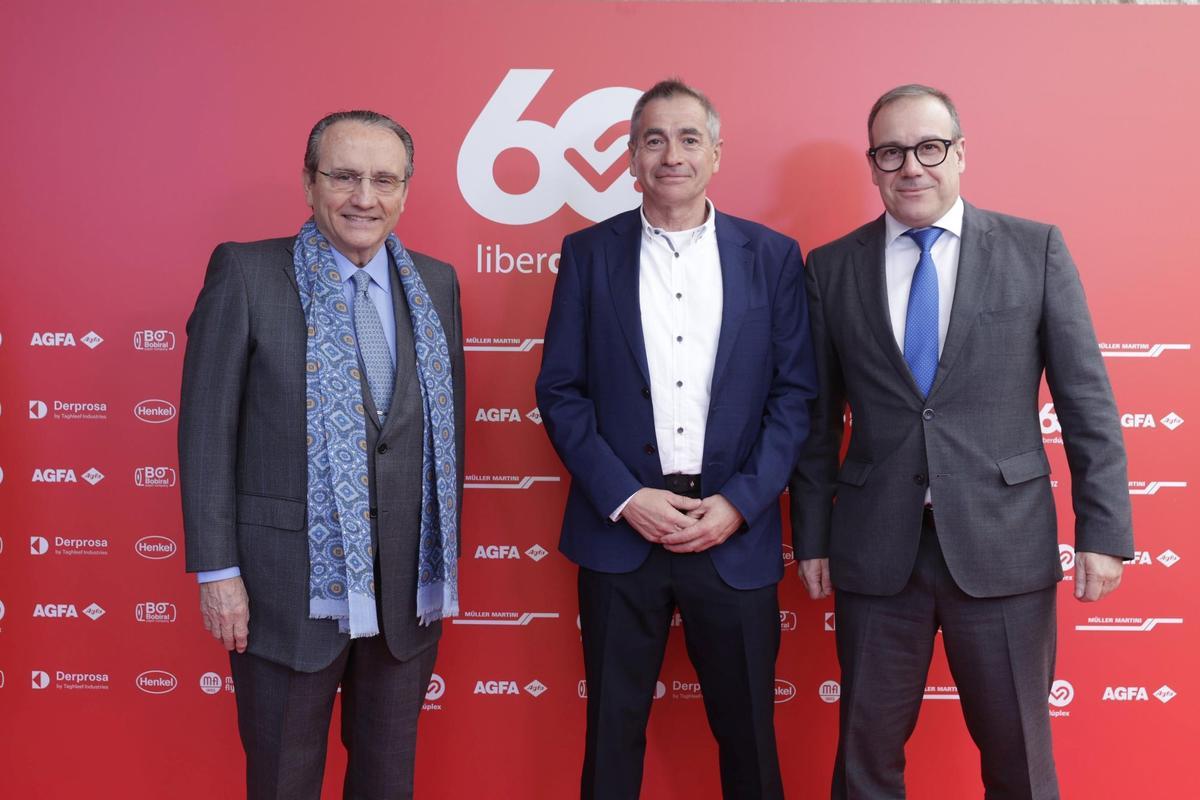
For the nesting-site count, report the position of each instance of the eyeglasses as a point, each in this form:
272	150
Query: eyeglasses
342	181
929	153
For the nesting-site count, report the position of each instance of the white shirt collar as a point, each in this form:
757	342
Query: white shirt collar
951	221
689	235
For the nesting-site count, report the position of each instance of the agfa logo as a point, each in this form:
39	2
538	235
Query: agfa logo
534	416
497	415
155	547
1168	558
1125	694
1164	693
92	339
154	411
55	610
830	691
93	476
784	690
53	475
536	688
1061	693
52	339
537	552
571	170
37	409
497	551
156	681
437	688
496	687
93	612
160	340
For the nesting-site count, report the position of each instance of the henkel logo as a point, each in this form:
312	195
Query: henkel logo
829	691
1168	558
1061	693
155	611
39	679
155	547
789	556
536	688
37	409
1066	555
154	477
1	679
154	411
570	168
210	683
785	691
158	340
1164	693
437	688
156	681
1	609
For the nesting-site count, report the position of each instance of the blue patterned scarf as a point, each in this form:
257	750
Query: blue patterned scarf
341	559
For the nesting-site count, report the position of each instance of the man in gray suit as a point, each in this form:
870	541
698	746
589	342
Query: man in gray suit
321	456
935	323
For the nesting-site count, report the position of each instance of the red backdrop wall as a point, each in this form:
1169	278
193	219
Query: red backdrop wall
137	135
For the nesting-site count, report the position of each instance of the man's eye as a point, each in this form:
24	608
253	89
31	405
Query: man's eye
386	182
889	152
929	148
344	177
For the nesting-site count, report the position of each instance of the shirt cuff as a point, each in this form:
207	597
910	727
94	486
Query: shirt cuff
616	515
218	575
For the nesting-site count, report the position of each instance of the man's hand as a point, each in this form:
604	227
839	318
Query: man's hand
1096	574
226	611
655	513
715	521
815	574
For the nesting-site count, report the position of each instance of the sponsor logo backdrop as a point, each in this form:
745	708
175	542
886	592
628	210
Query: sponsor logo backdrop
142	136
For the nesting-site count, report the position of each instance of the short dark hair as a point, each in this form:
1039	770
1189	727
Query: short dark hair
312	151
915	90
664	90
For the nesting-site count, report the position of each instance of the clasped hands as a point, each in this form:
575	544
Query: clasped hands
681	524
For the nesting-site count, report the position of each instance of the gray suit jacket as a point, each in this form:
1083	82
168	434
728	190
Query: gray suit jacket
1018	311
242	453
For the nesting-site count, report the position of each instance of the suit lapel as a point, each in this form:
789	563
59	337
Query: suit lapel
623	253
406	368
871	278
736	265
974	270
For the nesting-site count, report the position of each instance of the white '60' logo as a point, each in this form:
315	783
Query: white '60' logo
499	128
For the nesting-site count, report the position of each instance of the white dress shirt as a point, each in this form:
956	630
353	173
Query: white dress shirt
900	256
681	299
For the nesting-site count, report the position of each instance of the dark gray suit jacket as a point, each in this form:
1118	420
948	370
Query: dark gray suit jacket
1018	311
242	453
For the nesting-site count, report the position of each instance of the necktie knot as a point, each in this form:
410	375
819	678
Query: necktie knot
362	280
924	237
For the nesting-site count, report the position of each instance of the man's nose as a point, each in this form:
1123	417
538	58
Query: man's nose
672	152
910	165
364	193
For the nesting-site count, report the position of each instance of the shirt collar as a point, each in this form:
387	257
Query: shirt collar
689	236
377	268
950	221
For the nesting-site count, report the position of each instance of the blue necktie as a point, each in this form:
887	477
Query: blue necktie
372	345
921	323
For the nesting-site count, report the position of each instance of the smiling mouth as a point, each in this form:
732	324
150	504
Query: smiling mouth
358	219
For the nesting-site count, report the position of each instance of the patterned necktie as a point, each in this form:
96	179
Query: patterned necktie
372	345
921	323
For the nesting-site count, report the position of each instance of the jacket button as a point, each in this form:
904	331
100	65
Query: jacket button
381	449
373	513
919	479
646	392
650	449
927	414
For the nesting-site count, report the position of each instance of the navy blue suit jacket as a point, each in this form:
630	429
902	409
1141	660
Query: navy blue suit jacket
594	393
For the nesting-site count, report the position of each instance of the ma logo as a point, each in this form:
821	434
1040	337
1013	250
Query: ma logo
571	168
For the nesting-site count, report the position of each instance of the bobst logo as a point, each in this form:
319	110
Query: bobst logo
160	340
154	411
570	168
155	547
156	681
154	477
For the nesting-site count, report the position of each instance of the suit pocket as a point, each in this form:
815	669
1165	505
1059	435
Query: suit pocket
854	472
271	512
1024	467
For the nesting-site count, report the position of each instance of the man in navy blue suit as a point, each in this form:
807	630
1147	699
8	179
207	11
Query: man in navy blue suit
674	386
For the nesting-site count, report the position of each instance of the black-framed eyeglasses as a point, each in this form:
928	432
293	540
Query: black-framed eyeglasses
345	181
929	153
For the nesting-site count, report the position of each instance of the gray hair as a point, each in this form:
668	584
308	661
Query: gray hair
312	151
915	90
664	90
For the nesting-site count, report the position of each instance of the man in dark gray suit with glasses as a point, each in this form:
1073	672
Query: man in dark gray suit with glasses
936	323
321	456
